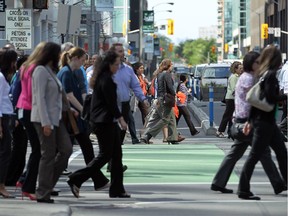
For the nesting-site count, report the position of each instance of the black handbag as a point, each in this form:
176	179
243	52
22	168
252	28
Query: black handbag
236	132
169	100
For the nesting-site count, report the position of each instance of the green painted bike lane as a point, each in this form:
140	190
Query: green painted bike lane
185	163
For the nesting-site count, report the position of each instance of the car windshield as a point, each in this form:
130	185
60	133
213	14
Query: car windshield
198	71
217	72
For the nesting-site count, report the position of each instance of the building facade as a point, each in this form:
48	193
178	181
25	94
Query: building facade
239	26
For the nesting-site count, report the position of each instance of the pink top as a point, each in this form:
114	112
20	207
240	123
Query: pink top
244	83
25	98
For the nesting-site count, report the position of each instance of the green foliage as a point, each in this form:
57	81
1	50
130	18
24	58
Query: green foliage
191	52
196	51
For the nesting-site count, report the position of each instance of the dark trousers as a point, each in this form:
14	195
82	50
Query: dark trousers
132	127
88	154
108	135
5	147
185	112
144	110
126	111
29	184
284	110
265	134
18	155
236	152
227	116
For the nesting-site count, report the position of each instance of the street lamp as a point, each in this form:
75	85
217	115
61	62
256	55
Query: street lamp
169	11
170	3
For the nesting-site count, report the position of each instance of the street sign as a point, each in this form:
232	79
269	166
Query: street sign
148	21
2	5
18	28
149	44
277	32
69	17
270	30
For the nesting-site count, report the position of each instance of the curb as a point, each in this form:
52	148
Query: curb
202	118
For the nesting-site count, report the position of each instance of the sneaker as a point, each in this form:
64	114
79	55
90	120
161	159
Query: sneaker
220	134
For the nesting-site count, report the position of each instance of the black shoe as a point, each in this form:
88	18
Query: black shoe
195	133
280	190
74	189
124	168
146	138
45	200
222	190
248	197
136	142
122	195
172	142
54	193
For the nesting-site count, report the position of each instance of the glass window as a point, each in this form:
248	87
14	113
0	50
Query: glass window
218	72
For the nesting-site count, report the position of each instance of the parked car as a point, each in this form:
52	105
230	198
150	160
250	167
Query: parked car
195	81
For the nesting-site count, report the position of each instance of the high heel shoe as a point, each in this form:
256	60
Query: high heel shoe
172	142
29	195
18	185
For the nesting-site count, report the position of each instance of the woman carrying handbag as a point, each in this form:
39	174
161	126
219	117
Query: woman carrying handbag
265	130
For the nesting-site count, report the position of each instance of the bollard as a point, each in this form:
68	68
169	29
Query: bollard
197	89
211	106
192	87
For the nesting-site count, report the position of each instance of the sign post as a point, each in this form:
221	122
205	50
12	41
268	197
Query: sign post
2	5
18	28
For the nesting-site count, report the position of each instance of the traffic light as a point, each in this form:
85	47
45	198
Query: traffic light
40	4
264	31
213	49
170	29
170	47
226	48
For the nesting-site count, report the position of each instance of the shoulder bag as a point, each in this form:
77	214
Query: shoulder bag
169	99
254	97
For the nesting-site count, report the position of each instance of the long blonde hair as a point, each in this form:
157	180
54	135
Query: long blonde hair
33	57
164	65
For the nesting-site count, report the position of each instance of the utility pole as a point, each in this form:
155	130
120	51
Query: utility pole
92	26
140	29
62	35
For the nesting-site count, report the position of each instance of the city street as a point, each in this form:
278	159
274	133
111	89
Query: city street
163	180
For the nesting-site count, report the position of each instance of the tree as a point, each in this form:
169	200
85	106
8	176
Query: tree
196	51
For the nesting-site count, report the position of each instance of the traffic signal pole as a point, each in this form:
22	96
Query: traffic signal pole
140	29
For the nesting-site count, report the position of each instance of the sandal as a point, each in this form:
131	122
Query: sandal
220	134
